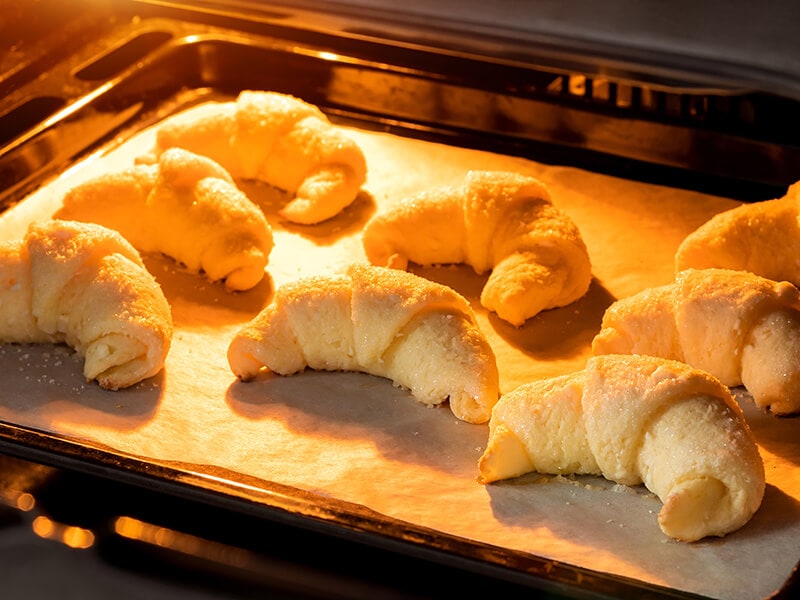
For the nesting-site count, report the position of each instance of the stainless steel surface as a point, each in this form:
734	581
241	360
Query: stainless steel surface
736	45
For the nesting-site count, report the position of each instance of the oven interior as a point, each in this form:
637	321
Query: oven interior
76	80
574	104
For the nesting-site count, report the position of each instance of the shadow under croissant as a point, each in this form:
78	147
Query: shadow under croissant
777	435
46	382
197	301
560	332
321	406
350	220
594	516
555	333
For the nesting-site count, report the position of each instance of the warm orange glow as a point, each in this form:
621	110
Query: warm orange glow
164	537
69	535
25	502
134	529
77	537
43	527
20	500
129	528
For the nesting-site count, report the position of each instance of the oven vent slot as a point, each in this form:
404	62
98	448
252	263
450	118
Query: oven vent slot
754	116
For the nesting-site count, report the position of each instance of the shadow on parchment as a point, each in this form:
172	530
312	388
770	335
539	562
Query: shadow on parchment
557	333
357	406
351	218
44	387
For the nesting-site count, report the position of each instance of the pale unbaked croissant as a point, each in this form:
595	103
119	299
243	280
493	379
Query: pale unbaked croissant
636	419
185	206
742	328
760	237
277	139
84	285
420	334
496	220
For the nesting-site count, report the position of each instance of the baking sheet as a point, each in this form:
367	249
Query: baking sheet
357	438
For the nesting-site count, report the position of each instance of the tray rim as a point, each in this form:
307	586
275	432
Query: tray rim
292	506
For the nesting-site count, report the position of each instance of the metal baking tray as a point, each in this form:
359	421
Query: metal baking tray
142	71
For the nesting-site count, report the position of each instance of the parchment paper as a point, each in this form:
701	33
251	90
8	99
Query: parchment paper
358	438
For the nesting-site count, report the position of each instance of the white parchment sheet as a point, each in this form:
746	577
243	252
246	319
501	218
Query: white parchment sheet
358	438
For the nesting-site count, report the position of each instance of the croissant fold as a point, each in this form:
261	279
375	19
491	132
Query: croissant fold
636	419
277	139
420	334
760	237
495	221
184	206
742	328
84	285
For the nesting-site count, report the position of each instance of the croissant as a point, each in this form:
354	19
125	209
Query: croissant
84	285
742	328
277	139
420	334
498	221
185	206
760	237
636	419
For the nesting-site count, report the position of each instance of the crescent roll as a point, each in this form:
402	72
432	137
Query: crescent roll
636	419
277	139
495	221
741	328
84	285
420	334
760	237
185	206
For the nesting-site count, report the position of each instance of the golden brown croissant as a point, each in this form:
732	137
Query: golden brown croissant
185	206
280	140
84	285
498	221
420	334
760	237
636	419
741	328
